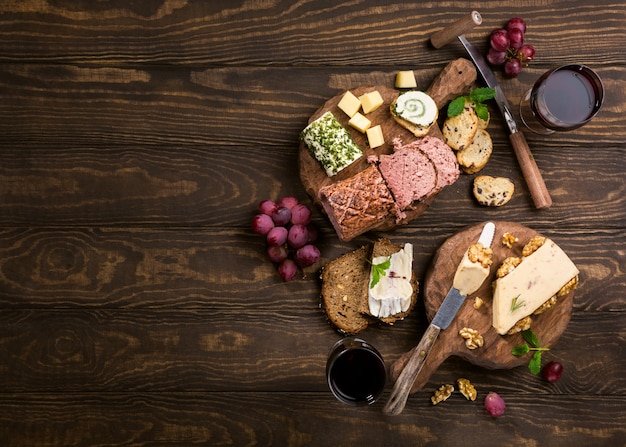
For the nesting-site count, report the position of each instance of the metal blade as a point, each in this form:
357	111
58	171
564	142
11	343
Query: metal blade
450	306
491	81
454	299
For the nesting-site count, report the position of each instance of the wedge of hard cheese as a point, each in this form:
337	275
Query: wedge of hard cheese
535	280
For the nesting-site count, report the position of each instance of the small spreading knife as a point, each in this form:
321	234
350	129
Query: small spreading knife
530	170
442	319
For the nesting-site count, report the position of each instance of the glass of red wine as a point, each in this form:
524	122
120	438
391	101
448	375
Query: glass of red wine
562	99
355	372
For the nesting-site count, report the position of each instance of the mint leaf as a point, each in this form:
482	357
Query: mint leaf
482	111
456	106
482	94
520	349
531	338
535	363
379	270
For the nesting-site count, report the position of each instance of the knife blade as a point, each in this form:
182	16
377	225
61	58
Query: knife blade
442	319
530	170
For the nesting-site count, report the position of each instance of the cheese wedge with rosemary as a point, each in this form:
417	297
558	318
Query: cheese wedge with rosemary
535	280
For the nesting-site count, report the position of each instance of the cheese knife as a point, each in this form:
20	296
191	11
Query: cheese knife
530	170
442	319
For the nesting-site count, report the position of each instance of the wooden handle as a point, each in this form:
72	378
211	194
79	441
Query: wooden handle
530	170
402	388
452	31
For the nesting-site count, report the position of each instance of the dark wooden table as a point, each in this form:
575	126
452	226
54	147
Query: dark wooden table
137	306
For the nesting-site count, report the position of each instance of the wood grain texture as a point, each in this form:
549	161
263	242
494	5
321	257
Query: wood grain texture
136	141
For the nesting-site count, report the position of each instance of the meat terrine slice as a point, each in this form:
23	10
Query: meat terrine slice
410	175
330	143
358	204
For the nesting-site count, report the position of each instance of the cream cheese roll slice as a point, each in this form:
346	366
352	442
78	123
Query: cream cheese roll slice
416	107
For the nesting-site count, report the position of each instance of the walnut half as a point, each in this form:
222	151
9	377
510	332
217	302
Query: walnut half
472	338
466	388
442	394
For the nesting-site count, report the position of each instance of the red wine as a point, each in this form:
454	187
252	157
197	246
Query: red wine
567	97
356	372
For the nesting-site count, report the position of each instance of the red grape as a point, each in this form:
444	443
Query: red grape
281	215
496	57
277	253
298	236
277	236
307	255
526	53
267	207
516	23
300	214
288	269
512	68
499	39
552	371
494	404
516	38
288	202
262	224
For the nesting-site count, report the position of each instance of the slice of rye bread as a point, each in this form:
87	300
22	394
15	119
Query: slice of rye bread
344	288
384	247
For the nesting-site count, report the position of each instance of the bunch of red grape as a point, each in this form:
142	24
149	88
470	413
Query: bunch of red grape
507	47
290	235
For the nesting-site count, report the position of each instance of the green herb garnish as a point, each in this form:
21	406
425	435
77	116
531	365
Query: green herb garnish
478	96
532	345
379	270
516	303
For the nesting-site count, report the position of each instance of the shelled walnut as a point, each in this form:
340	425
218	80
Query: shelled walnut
443	393
466	388
508	240
472	338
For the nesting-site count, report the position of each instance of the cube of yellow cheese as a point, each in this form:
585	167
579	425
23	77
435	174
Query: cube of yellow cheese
349	103
360	123
371	101
406	79
375	136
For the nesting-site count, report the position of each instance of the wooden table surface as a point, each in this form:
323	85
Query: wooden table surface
137	306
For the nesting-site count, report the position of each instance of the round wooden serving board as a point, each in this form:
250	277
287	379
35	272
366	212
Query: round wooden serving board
454	80
496	351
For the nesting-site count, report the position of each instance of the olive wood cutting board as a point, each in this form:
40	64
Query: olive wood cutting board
496	351
454	80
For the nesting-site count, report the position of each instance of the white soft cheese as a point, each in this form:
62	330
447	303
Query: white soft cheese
535	280
392	294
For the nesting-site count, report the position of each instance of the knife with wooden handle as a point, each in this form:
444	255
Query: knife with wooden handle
442	319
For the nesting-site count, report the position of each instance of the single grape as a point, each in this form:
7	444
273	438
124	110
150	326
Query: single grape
496	57
516	23
267	207
300	214
277	236
298	235
281	215
288	202
512	68
499	39
494	404
277	253
307	255
526	53
262	224
552	371
312	233
516	38
288	269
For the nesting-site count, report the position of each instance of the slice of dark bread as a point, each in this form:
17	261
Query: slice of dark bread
342	290
345	282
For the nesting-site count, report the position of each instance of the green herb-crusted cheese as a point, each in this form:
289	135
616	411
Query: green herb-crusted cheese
330	143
